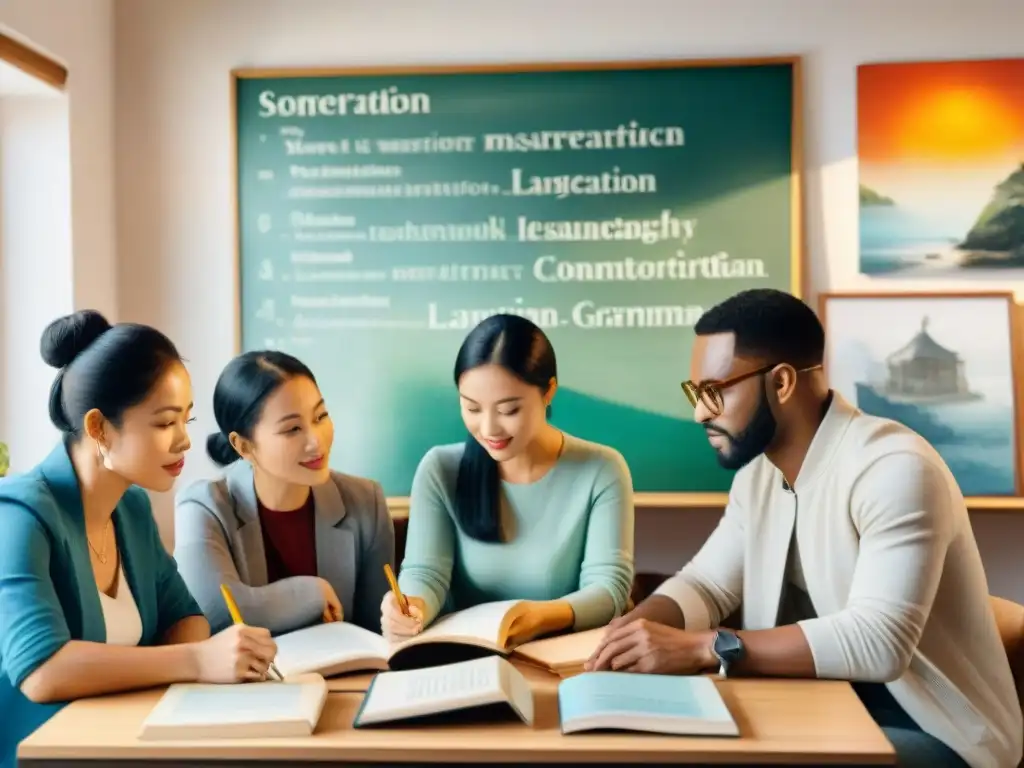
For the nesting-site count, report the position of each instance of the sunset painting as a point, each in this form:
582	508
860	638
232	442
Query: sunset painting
941	161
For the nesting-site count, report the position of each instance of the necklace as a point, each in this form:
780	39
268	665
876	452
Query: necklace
101	553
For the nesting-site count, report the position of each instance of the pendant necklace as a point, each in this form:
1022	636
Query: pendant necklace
101	554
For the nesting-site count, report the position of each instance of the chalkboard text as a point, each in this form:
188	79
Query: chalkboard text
490	230
584	314
551	269
610	182
386	101
631	135
647	231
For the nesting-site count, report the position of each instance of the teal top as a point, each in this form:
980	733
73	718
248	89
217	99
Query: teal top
48	593
569	535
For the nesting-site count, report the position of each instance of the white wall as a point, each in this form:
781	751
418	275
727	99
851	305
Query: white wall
35	264
79	34
52	266
174	200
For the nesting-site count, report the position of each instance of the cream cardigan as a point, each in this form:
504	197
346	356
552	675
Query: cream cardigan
891	566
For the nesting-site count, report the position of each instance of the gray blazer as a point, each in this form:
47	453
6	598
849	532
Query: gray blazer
218	539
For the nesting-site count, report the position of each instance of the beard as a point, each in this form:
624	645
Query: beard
751	442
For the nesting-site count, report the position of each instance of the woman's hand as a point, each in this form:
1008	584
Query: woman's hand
332	605
539	618
237	654
394	624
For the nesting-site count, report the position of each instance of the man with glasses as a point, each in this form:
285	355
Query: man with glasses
845	544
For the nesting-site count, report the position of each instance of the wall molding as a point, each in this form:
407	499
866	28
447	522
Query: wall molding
32	62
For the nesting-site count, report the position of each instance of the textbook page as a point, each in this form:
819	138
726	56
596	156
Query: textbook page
330	649
464	685
482	624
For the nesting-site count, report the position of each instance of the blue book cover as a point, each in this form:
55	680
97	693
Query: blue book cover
669	704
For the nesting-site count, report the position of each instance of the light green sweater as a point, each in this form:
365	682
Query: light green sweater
567	536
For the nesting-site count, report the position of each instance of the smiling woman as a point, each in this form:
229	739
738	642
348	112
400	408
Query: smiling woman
127	391
520	510
296	542
91	601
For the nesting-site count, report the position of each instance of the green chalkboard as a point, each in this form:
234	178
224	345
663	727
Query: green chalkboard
383	213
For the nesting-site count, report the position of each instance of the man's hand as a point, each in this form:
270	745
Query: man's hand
646	646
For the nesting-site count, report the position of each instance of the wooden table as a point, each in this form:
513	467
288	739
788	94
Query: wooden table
782	722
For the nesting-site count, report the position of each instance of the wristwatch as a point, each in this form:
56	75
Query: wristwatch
728	648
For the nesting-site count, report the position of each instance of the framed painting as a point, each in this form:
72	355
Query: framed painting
941	364
940	147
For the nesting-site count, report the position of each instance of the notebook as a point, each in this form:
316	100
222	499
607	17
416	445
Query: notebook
564	655
668	704
475	691
339	647
243	710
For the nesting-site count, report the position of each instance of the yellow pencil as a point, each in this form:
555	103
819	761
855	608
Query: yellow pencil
236	617
402	602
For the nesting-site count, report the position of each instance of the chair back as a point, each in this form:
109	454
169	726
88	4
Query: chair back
1010	621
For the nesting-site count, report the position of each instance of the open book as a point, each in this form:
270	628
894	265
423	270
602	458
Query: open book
340	647
670	704
470	690
243	710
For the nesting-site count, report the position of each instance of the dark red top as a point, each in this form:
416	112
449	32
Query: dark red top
289	540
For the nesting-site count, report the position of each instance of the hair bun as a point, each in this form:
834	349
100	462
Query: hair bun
219	448
67	337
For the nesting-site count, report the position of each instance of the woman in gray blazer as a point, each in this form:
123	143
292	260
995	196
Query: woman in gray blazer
296	542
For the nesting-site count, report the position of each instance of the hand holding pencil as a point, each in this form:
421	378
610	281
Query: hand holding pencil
401	616
253	648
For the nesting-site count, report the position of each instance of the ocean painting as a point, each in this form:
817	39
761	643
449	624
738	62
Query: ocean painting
940	150
941	365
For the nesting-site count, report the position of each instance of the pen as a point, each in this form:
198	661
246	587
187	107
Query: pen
402	602
236	617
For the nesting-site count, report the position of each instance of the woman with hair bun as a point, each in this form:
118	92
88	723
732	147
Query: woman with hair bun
296	542
90	601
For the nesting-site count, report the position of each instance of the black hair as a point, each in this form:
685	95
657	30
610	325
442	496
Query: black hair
241	392
109	368
522	349
769	324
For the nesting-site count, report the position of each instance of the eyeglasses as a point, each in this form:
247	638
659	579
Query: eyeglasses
709	392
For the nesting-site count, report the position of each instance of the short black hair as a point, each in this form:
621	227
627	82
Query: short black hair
770	324
521	348
241	392
108	367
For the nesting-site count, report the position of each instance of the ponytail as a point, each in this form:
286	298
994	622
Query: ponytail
478	494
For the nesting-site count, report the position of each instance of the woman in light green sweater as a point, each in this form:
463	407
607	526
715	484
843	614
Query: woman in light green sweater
521	510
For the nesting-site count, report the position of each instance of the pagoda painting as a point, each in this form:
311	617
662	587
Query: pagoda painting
925	372
941	365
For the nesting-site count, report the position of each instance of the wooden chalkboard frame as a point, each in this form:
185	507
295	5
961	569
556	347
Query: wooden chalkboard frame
399	505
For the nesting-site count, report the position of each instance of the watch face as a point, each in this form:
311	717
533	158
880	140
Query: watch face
727	643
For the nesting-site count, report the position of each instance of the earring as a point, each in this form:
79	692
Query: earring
104	457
